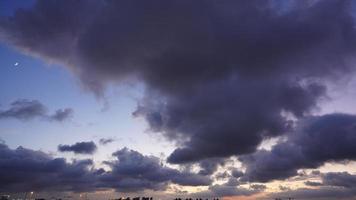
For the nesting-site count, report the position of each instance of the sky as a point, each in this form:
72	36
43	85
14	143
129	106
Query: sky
200	99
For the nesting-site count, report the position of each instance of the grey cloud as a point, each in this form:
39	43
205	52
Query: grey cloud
104	141
206	65
222	175
340	179
317	140
24	109
62	114
258	187
284	188
79	148
225	190
209	166
333	185
236	173
23	170
324	193
232	182
313	183
133	171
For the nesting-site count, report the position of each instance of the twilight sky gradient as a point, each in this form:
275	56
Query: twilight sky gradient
232	99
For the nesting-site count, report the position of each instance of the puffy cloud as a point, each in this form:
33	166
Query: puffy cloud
24	170
24	109
317	140
79	148
133	171
218	75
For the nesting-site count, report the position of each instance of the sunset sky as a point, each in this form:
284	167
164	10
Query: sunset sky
239	100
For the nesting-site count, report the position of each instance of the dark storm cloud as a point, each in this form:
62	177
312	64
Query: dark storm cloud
24	109
79	148
133	172
218	74
105	141
23	170
317	140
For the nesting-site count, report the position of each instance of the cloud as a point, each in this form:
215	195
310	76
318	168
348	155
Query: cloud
62	114
316	140
23	170
333	185
324	193
105	141
209	166
313	183
218	75
236	173
133	171
24	109
79	148
340	179
232	182
259	187
222	175
228	189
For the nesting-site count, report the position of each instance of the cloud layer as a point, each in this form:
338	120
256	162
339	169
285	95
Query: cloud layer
219	77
